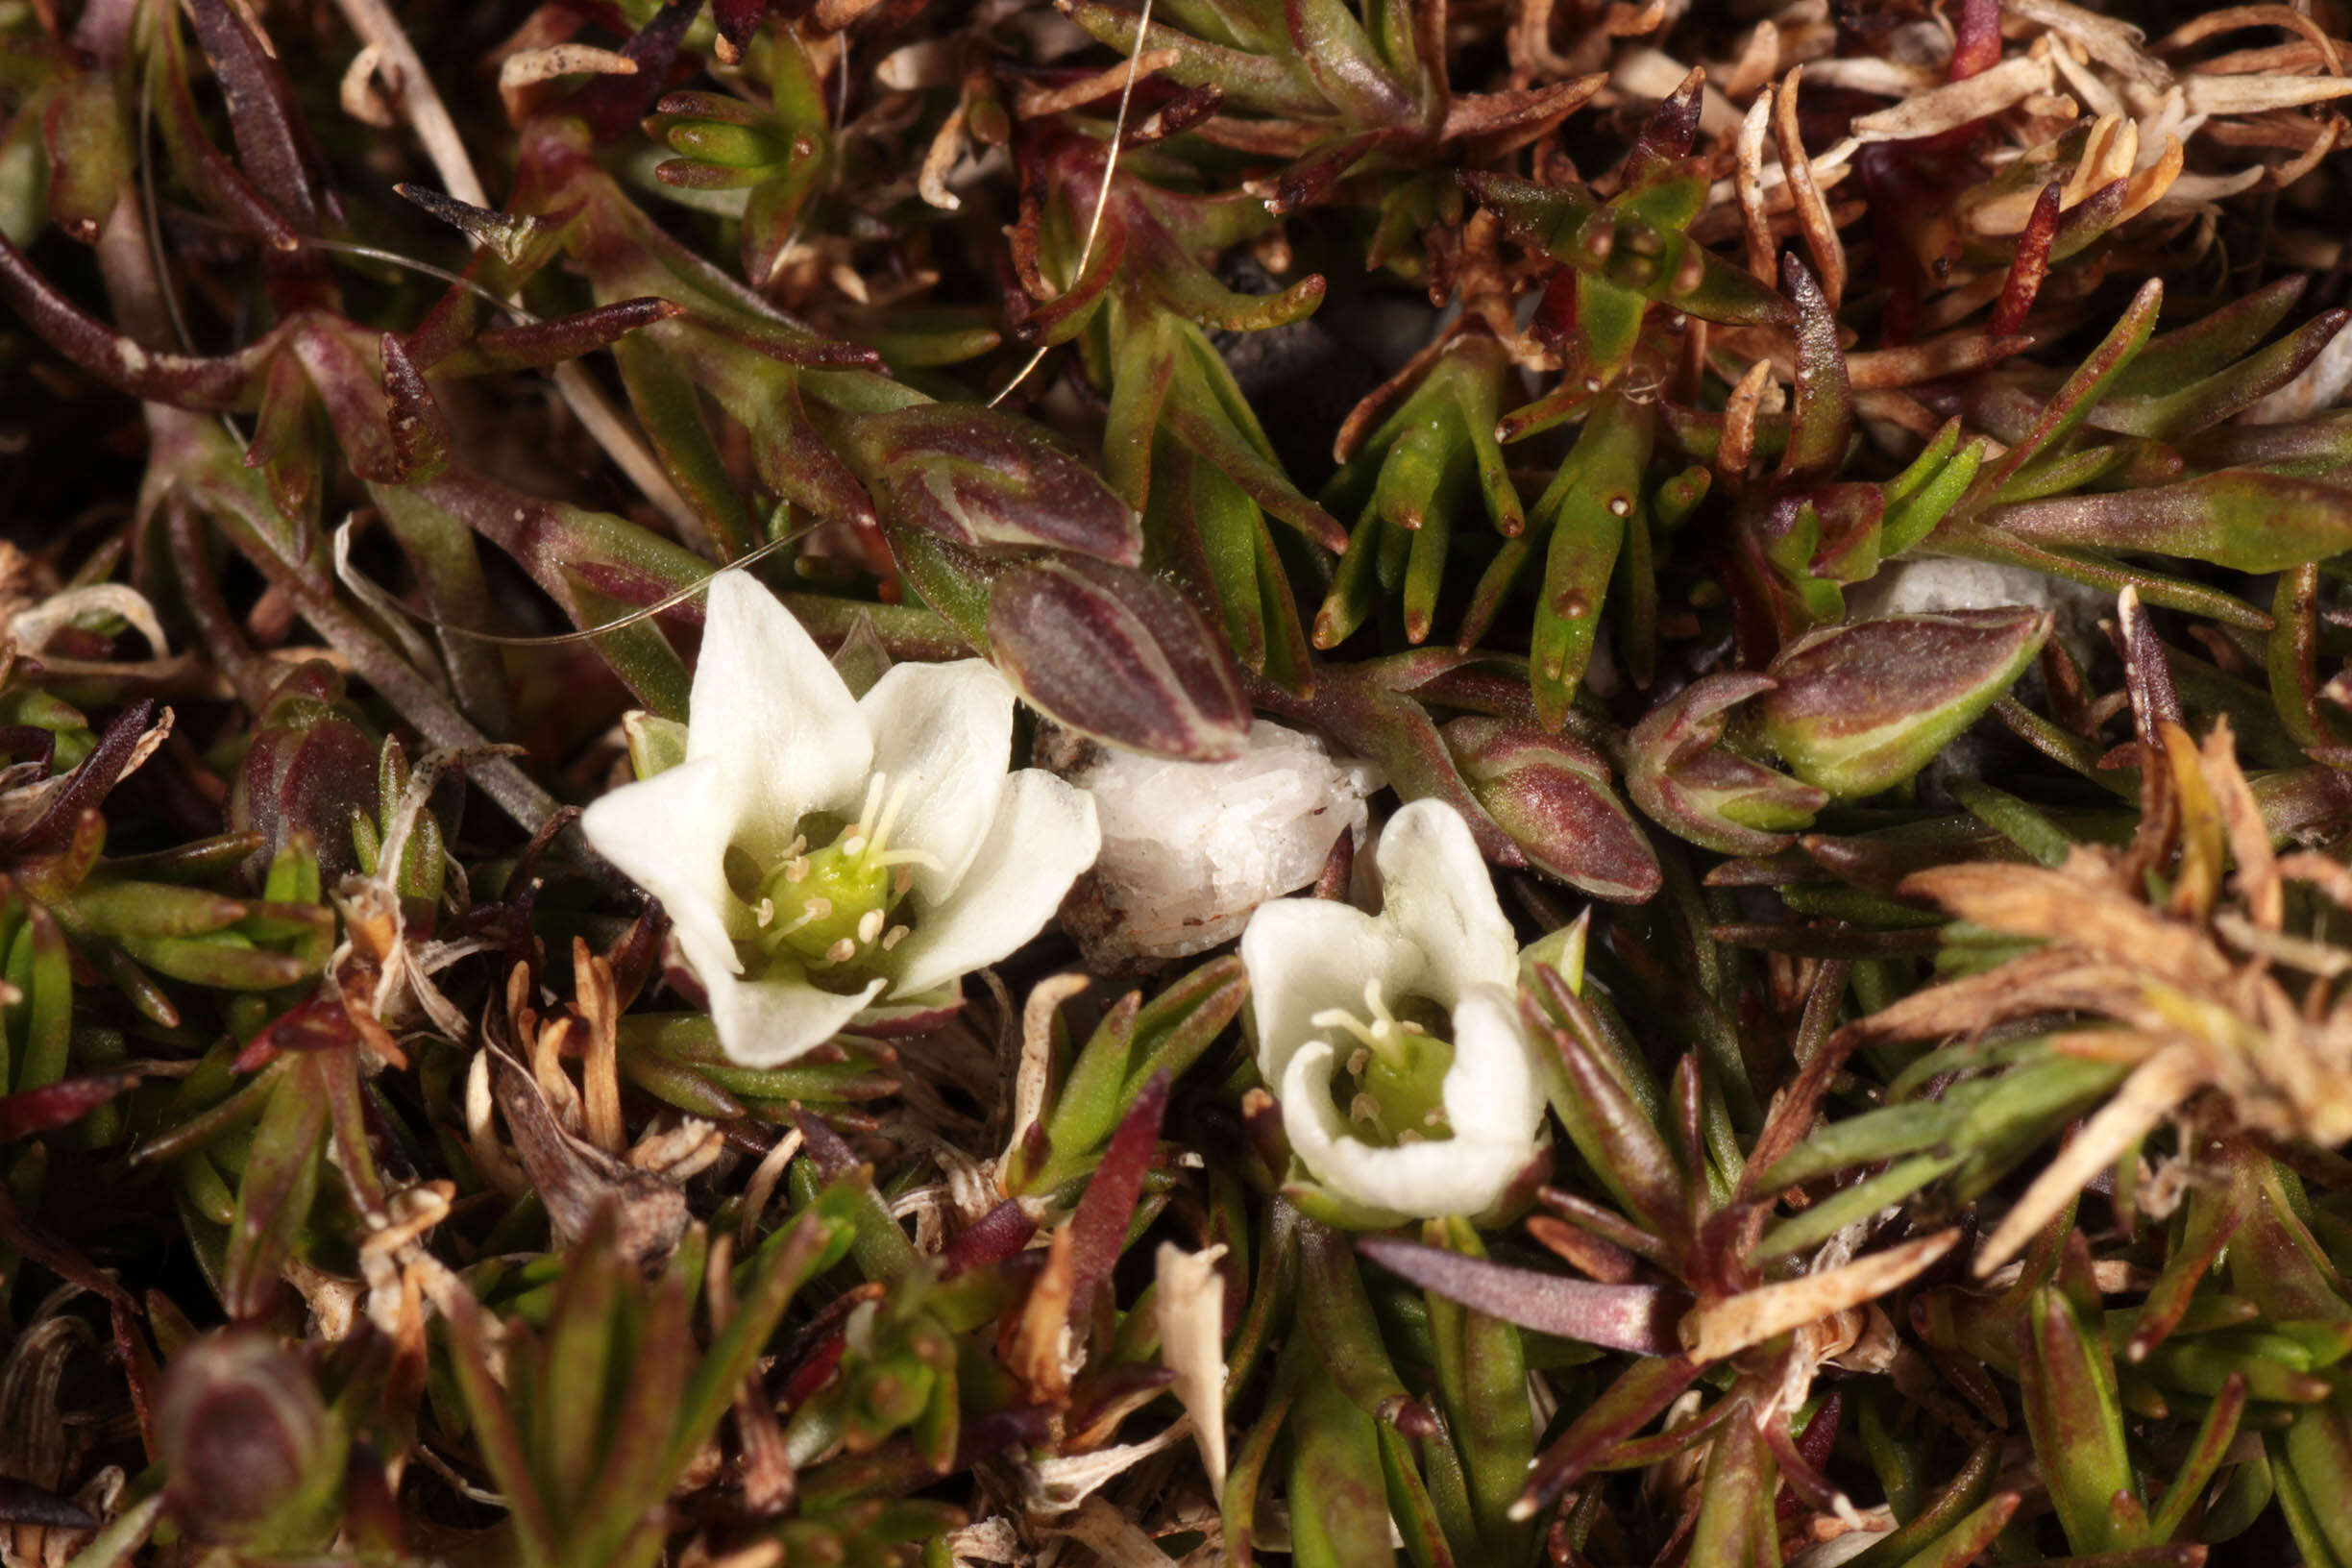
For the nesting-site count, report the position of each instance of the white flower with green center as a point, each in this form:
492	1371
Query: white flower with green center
819	853
1392	1040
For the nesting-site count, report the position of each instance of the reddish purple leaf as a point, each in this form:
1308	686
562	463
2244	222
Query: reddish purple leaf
1100	1227
1976	40
613	104
33	1111
995	1236
89	783
1628	1405
2032	262
1637	1317
271	139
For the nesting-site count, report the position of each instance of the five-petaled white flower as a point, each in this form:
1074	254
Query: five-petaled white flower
1393	1042
816	851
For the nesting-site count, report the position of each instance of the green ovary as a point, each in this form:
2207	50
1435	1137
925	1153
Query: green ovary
832	908
1392	1086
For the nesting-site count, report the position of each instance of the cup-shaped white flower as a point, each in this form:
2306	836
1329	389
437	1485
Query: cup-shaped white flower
1392	1040
819	851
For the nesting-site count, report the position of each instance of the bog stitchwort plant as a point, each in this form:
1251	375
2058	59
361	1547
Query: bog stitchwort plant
1336	782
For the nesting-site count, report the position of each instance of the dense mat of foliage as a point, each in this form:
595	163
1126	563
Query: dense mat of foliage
874	782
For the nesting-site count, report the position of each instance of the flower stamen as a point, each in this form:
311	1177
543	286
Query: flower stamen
909	858
1398	1069
1348	1023
853	844
816	909
890	809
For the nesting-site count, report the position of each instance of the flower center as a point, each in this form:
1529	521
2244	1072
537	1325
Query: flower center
1395	1070
833	905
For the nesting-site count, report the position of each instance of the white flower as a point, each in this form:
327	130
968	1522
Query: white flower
1393	1042
1189	849
816	851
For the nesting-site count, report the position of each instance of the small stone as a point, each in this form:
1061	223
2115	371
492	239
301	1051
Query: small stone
1189	849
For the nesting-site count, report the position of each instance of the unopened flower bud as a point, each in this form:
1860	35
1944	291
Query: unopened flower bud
1859	708
309	768
250	1453
1119	655
1552	796
714	130
975	477
1713	797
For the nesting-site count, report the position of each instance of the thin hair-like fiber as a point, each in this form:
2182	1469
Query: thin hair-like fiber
375	595
1102	196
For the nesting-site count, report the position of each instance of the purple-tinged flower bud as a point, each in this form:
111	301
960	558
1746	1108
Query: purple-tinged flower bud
724	143
309	768
250	1453
1712	796
1859	708
1119	655
975	476
1552	796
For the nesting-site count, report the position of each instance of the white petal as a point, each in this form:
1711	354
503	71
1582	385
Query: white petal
948	729
670	835
1305	955
780	1017
1492	1094
1438	896
1417	1181
770	707
1043	836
